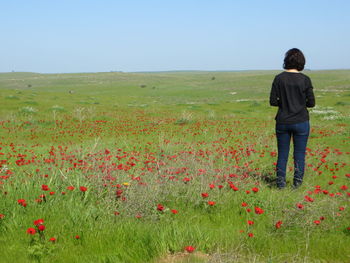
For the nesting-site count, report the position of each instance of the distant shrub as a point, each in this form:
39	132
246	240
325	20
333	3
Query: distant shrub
211	115
29	85
255	104
28	110
186	118
30	102
11	97
342	103
57	108
213	78
143	86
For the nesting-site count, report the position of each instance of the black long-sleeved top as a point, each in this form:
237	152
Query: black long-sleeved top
292	93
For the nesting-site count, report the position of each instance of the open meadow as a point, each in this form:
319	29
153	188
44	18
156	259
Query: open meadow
168	167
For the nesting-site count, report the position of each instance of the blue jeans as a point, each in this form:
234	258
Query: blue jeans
300	133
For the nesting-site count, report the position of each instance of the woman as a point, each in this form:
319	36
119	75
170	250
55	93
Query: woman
292	93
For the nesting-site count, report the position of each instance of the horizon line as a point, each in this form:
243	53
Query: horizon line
167	71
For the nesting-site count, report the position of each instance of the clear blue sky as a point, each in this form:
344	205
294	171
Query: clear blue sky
133	35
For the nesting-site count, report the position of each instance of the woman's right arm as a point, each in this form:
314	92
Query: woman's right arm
274	94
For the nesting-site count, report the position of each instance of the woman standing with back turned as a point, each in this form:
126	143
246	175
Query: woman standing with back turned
292	93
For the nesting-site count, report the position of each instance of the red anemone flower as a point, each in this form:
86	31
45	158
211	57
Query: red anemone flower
38	222
278	224
160	207
83	188
31	231
258	210
205	195
211	203
250	222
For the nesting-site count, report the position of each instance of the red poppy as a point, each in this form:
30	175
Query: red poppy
2	216
244	204
317	222
250	235
174	211
41	227
190	249
71	188
77	237
255	189
52	239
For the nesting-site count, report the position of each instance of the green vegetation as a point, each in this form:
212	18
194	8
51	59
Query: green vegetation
136	167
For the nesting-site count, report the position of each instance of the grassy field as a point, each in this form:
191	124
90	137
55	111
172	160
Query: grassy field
167	167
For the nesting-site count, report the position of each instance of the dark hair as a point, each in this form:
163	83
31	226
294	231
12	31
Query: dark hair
294	59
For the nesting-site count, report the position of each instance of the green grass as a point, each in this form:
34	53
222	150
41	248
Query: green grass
164	138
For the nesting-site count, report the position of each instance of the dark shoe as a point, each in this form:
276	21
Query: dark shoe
281	187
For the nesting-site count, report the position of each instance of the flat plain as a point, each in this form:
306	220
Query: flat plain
168	167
